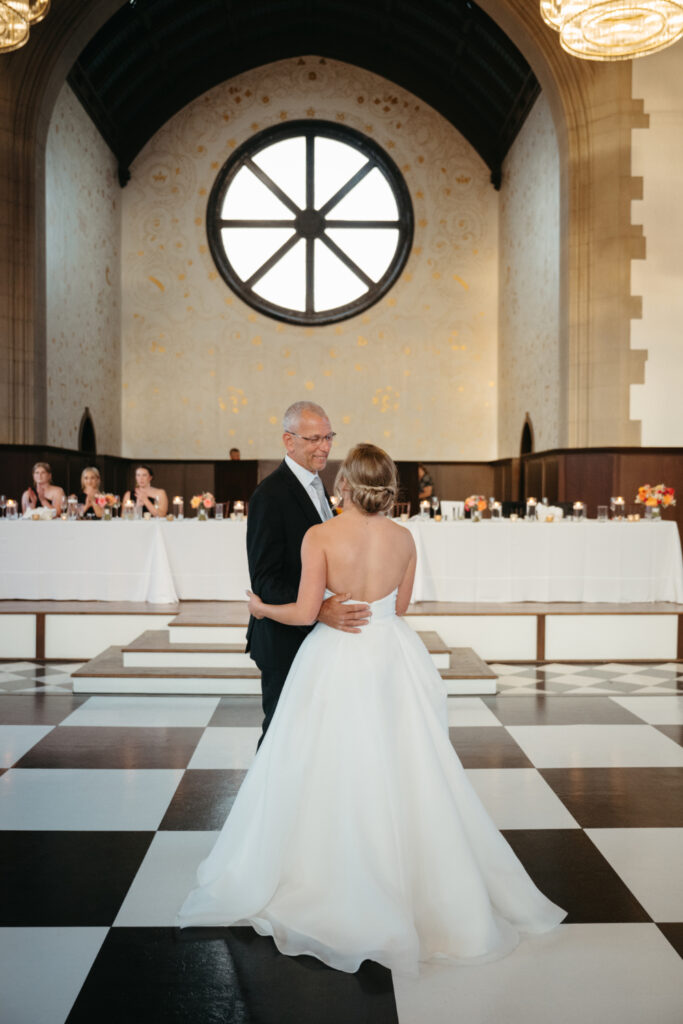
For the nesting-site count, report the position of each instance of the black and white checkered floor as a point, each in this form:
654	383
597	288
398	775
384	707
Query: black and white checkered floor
107	804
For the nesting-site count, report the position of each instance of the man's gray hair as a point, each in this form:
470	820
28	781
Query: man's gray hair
292	417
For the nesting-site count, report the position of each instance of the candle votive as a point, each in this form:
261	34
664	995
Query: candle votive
618	508
578	511
497	511
128	509
72	507
424	509
11	509
514	516
238	509
531	506
178	507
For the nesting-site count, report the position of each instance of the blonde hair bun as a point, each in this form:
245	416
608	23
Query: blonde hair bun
370	475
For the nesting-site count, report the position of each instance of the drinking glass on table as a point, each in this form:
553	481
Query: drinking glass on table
434	502
219	510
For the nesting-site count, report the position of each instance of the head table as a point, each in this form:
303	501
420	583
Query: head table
161	562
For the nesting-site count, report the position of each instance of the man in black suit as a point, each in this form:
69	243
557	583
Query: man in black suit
281	510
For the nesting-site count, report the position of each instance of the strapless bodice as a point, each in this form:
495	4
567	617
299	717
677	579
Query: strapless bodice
384	608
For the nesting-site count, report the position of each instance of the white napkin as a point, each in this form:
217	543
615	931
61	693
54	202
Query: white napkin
543	512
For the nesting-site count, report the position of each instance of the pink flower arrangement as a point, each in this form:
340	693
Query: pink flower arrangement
476	501
206	499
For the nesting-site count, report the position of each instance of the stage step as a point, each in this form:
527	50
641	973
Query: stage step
466	673
156	649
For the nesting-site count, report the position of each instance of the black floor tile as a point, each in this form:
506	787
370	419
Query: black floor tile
487	747
104	747
572	872
203	799
620	797
67	878
674	933
236	711
38	709
559	710
231	976
674	732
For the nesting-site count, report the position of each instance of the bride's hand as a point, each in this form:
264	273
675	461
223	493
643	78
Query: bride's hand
255	605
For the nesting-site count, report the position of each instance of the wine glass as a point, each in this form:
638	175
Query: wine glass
434	502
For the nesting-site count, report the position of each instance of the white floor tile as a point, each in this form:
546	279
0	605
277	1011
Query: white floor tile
147	712
226	747
640	678
587	973
655	710
519	798
164	879
42	971
649	861
596	746
505	670
87	800
15	740
469	711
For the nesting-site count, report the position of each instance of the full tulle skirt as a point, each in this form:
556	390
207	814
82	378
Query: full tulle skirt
356	833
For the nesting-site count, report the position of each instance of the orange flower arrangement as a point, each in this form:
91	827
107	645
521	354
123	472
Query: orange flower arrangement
477	501
659	496
206	499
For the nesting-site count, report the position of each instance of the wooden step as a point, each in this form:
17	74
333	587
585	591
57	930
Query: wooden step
107	673
468	674
154	649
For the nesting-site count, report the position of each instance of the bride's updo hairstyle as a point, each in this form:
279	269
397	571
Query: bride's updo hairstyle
371	477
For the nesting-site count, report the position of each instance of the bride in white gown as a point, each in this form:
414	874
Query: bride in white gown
356	833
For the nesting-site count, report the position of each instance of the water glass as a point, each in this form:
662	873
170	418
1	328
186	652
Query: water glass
219	510
72	507
602	513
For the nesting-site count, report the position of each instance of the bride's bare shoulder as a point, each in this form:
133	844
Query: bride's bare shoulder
400	534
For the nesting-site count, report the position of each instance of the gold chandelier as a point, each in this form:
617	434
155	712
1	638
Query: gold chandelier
16	19
614	29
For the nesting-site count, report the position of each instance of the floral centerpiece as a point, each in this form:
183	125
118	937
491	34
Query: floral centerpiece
475	505
476	501
202	502
107	503
655	498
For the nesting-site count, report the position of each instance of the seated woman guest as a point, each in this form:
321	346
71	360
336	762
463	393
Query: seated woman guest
426	484
152	499
90	486
44	493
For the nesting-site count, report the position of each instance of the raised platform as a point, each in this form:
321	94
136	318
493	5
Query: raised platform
77	630
111	672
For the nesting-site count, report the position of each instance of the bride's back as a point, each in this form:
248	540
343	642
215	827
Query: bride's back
367	555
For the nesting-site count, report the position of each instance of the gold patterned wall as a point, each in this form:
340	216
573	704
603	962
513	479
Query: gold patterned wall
529	287
202	371
83	281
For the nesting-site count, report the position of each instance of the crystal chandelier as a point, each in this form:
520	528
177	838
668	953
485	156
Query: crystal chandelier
16	18
614	29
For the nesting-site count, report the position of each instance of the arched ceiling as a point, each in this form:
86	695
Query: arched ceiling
155	56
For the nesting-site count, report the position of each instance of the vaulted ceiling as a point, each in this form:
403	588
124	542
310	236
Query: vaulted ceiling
155	56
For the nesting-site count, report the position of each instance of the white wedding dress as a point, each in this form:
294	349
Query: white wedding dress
356	834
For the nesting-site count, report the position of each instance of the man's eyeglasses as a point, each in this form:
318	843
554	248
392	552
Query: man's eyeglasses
329	438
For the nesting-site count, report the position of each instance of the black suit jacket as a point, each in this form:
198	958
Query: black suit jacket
280	513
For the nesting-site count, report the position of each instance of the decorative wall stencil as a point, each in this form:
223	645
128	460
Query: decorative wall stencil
83	231
215	384
529	283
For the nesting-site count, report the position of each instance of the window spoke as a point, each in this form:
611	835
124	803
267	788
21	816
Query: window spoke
269	183
345	189
277	255
347	261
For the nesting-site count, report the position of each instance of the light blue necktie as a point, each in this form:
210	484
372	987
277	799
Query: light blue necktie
317	485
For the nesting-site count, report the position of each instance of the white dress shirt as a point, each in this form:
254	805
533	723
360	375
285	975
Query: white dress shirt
306	478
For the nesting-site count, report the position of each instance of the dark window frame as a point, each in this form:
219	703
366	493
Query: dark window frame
309	223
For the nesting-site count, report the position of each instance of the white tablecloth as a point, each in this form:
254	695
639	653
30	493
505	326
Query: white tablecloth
559	561
160	562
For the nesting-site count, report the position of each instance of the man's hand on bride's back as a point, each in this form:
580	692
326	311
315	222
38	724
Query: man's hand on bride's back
347	617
